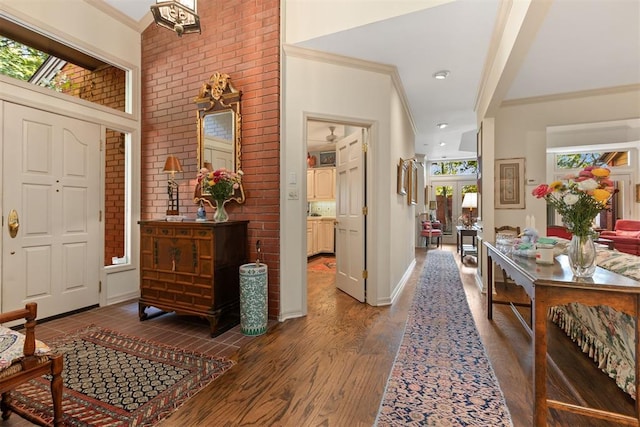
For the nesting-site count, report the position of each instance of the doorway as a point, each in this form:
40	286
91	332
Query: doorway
335	197
450	212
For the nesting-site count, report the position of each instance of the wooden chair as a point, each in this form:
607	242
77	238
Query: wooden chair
34	362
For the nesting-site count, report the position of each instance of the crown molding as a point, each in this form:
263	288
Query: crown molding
571	95
107	9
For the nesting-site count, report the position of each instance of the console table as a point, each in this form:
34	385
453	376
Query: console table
469	232
550	285
193	268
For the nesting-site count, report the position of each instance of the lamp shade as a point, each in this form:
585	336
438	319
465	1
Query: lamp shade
470	200
177	15
172	164
433	205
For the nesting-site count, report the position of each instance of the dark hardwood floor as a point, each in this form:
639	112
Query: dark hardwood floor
330	367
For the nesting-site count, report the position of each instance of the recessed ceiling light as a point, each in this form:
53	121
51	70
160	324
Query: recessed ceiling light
441	75
442	125
442	144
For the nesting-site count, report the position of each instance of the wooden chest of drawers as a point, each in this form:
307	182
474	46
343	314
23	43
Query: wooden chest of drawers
192	268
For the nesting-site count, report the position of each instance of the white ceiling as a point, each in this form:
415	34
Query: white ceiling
583	44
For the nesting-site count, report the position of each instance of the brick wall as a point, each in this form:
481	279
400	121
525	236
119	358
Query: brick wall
106	86
242	39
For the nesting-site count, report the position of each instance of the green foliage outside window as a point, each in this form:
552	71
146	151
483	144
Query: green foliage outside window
455	167
577	161
19	61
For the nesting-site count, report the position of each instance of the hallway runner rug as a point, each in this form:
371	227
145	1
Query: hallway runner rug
112	379
441	375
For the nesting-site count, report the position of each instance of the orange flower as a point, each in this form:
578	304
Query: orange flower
601	172
601	195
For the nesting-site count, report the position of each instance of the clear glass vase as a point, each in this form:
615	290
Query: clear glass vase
582	256
220	215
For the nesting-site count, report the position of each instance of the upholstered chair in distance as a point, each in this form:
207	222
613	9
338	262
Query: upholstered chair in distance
431	231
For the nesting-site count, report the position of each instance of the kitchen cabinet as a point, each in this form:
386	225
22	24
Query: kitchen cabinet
192	268
320	235
321	184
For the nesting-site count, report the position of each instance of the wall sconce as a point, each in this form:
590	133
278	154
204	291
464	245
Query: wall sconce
172	165
177	15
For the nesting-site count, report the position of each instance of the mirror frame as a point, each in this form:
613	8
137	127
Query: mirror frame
216	96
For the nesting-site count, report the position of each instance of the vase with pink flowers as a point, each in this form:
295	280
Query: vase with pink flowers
578	199
220	184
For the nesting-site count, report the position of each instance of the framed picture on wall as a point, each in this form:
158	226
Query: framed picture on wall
479	155
509	184
403	167
327	158
412	199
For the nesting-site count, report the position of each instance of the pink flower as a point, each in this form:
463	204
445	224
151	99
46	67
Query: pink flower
541	190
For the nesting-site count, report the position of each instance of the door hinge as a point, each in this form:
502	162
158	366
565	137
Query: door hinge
100	216
100	286
365	147
365	274
365	210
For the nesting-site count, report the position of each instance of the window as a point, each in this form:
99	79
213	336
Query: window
580	160
458	167
34	58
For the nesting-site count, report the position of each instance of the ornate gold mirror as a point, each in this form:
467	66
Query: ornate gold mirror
219	131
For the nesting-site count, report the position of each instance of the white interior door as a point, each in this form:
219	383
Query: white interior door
350	219
51	177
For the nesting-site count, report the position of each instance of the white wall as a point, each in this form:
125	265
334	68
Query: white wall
320	85
78	24
521	131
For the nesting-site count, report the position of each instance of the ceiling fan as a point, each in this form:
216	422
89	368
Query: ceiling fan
331	137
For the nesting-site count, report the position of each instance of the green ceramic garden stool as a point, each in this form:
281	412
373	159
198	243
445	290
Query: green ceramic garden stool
253	299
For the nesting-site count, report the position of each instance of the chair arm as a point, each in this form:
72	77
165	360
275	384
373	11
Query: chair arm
29	313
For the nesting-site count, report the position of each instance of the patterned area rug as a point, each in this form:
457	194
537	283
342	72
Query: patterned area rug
441	375
323	264
111	379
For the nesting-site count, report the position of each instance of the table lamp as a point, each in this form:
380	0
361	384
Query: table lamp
172	165
433	205
470	201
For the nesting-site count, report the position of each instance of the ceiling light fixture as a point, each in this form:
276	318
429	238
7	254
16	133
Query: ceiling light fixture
177	15
442	144
441	75
442	125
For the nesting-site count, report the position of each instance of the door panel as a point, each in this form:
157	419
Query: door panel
350	219
51	167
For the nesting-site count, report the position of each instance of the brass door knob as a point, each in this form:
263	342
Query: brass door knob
13	223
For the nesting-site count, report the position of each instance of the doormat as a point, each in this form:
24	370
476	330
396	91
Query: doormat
118	380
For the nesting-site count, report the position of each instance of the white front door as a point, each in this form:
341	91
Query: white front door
349	216
51	179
